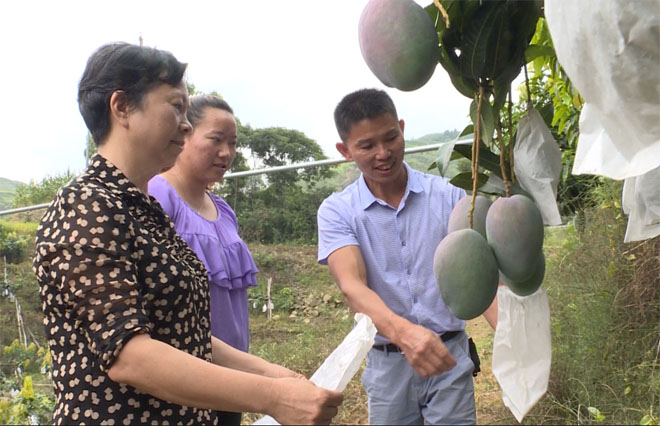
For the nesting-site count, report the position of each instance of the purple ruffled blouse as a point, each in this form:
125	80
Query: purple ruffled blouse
231	269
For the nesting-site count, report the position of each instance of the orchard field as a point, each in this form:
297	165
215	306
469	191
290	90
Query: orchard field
605	312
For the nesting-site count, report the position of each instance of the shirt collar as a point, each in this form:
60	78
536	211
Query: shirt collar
367	198
102	170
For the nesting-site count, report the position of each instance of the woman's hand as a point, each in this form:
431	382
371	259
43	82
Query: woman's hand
302	402
280	372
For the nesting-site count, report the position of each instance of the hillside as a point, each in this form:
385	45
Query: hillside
7	189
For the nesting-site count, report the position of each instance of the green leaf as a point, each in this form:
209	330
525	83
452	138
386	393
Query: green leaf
455	156
522	20
596	414
464	180
464	86
534	51
487	119
499	99
475	40
469	129
487	159
648	420
500	47
495	186
443	156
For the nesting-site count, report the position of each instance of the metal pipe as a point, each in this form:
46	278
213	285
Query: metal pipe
315	164
236	175
24	209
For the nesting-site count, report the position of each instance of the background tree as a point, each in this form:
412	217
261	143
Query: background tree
90	148
40	192
278	207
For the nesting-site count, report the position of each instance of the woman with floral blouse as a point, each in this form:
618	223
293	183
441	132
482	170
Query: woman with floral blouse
125	299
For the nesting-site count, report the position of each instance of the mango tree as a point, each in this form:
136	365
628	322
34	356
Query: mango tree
483	46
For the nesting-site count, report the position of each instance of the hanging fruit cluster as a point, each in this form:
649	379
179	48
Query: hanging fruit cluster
483	46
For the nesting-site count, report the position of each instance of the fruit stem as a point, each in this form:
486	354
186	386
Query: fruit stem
442	10
511	138
502	155
475	154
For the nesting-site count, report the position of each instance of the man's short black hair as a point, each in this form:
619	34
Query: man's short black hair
361	104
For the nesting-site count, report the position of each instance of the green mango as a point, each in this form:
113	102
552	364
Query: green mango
466	273
399	43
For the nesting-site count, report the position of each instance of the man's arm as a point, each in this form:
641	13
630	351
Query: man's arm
422	348
491	313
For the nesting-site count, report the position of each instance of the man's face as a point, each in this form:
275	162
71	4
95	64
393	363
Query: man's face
377	147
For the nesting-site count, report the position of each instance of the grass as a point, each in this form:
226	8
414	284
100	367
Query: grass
605	339
317	321
22	228
605	324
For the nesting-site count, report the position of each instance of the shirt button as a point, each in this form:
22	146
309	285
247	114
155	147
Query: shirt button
408	271
403	243
415	300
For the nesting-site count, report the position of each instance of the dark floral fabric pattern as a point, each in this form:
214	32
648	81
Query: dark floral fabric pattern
110	266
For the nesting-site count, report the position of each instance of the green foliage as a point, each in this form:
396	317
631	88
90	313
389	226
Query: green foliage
277	215
280	207
605	322
13	246
276	146
40	192
7	189
22	284
552	94
90	147
483	47
30	359
27	229
28	405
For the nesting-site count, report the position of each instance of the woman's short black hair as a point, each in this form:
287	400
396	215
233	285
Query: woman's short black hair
361	104
122	66
199	103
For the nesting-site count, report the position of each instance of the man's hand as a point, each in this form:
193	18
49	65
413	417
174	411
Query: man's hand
425	351
301	402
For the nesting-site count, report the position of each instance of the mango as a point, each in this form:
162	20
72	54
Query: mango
466	273
458	219
514	230
398	42
529	285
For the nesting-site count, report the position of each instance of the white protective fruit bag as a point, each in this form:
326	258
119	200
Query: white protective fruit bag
610	51
522	349
341	365
641	202
537	163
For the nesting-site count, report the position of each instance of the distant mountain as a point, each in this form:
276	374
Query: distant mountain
433	138
422	160
7	189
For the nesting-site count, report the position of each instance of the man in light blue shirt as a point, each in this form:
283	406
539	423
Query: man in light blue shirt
378	237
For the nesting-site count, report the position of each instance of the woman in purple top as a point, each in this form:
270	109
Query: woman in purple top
207	223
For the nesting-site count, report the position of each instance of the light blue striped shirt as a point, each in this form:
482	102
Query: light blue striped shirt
397	244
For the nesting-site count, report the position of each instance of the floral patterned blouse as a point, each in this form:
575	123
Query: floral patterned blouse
110	266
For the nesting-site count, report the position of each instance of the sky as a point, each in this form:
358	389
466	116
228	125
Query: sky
277	63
